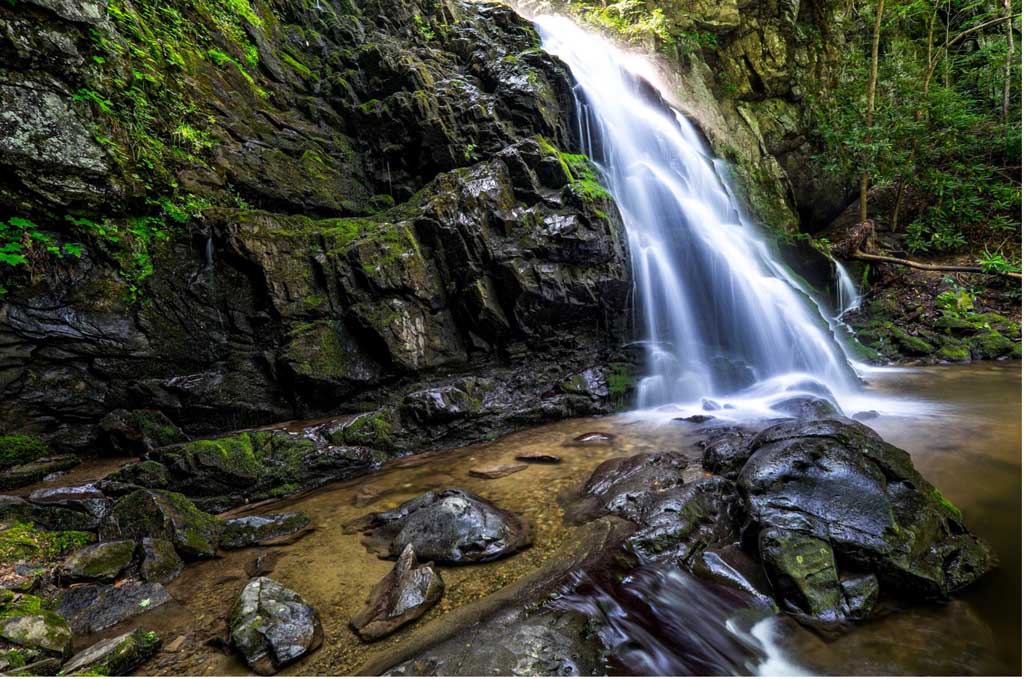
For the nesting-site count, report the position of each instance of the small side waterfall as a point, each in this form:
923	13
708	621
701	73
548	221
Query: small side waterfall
719	312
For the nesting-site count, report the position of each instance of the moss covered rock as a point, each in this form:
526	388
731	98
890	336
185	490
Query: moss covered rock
114	657
102	561
166	515
25	620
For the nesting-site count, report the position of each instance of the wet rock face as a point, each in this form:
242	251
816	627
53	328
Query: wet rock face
828	495
451	526
249	531
96	607
412	214
102	561
272	627
28	623
626	486
405	594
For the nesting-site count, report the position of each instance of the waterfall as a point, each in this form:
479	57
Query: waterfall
717	311
846	291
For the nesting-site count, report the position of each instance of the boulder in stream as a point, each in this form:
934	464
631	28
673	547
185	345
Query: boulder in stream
95	607
160	561
114	657
88	503
496	471
625	485
452	526
405	594
272	627
248	531
837	482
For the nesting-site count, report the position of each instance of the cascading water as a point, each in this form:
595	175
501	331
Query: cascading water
718	311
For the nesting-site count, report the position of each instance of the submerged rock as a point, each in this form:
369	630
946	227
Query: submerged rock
114	657
625	486
594	438
451	526
102	561
248	531
496	471
405	594
539	458
165	515
272	627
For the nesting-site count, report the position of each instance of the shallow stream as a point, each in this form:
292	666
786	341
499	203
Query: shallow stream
962	425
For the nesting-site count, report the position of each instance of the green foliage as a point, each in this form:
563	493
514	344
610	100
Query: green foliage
423	26
946	143
997	263
634	20
19	449
22	541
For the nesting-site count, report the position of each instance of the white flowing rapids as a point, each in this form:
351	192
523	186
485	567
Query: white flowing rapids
720	315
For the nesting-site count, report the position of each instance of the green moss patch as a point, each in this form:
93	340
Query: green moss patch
19	449
24	542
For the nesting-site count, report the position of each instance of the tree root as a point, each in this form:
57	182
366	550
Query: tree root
860	254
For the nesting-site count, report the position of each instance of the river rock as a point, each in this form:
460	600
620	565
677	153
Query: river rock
272	627
725	453
86	499
166	515
450	526
137	432
496	471
730	565
102	561
838	482
695	419
805	407
538	458
114	657
405	594
14	508
95	607
861	594
594	438
160	561
25	620
248	531
625	486
803	574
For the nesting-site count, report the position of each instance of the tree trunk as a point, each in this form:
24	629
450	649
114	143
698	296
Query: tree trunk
865	178
1008	64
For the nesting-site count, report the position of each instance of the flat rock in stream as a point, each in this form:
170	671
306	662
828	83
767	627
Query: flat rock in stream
165	515
272	627
496	471
539	458
405	594
93	608
102	561
30	472
591	438
248	531
115	657
451	526
86	500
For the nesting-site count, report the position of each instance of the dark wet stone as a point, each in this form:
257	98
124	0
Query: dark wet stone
625	485
405	594
254	530
92	608
137	432
451	526
696	419
442	404
803	574
14	508
99	562
160	562
114	657
545	644
861	593
725	454
496	471
805	407
86	499
865	415
709	405
837	481
732	566
684	520
539	458
272	627
166	515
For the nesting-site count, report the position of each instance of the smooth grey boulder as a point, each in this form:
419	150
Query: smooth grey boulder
405	594
272	627
451	526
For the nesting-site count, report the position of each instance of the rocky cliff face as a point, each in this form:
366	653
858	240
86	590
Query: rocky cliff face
289	209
